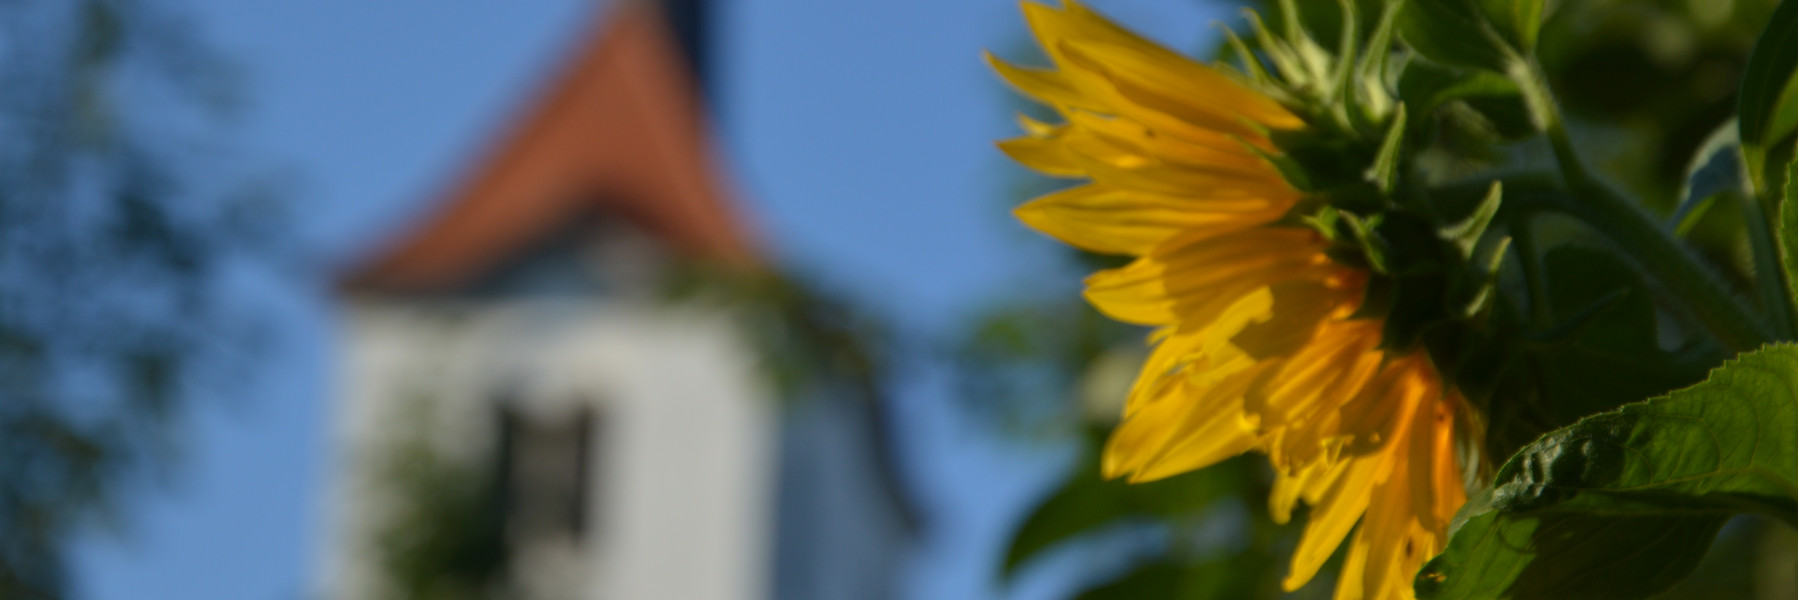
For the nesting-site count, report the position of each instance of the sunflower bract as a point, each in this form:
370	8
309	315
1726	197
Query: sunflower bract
1257	345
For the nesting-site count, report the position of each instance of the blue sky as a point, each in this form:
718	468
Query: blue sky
860	135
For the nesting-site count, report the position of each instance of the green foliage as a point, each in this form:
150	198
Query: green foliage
1529	366
1788	233
1088	503
808	338
1492	228
115	235
1484	34
1623	504
1217	579
1428	86
1195	566
1768	110
445	539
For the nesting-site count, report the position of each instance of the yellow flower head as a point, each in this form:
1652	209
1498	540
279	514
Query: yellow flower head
1258	345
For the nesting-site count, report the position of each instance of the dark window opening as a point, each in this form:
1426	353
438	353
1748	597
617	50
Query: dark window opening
545	473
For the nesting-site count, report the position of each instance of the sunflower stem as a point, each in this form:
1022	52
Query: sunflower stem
1679	270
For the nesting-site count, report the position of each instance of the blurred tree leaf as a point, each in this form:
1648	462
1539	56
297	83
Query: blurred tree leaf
1624	504
1228	578
445	539
117	226
1088	503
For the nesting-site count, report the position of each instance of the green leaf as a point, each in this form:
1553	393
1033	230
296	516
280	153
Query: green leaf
1768	99
1089	503
1714	169
1595	330
1519	21
1228	578
1566	555
1623	504
1788	233
1485	34
1715	179
1426	87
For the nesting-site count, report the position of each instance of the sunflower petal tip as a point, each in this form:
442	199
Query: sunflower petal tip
993	60
1031	213
1111	468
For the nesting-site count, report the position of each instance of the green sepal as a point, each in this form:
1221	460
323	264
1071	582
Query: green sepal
1284	57
1289	166
1372	82
1410	241
1376	299
1320	163
1344	66
1416	307
1370	245
1466	233
1251	63
1313	59
1384	171
1471	292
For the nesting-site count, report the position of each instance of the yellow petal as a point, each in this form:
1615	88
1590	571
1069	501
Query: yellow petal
1141	173
1435	473
1331	518
1351	583
1111	221
1080	25
1315	375
1216	149
1300	307
1045	155
1174	436
1097	69
1373	416
1202	356
1191	283
1034	127
1042	84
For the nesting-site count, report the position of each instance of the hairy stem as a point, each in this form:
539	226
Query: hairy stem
1678	269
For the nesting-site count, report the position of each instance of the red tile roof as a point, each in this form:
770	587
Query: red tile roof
622	132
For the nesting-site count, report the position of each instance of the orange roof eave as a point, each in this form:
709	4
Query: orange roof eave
622	131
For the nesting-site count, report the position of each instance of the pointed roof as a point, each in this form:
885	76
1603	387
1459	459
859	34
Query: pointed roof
621	132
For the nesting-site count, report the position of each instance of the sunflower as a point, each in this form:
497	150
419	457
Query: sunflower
1260	341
